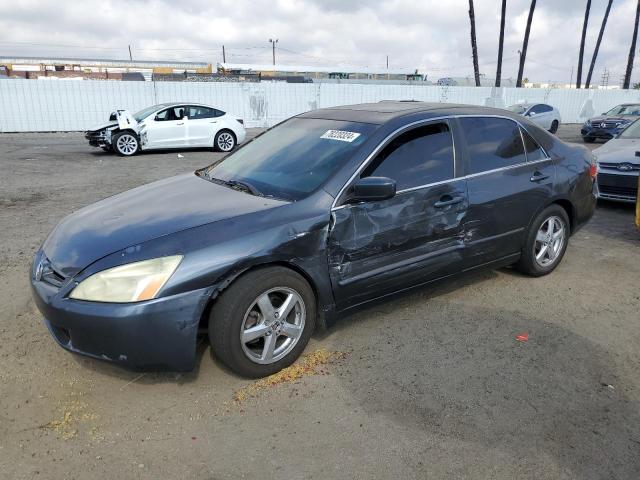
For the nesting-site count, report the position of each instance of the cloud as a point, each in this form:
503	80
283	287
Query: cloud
430	35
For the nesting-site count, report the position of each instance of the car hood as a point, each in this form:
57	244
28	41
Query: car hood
142	214
613	118
619	150
100	126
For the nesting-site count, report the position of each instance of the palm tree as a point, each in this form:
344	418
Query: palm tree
501	43
632	50
595	52
584	34
525	43
474	47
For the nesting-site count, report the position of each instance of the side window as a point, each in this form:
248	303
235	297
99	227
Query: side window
169	114
420	156
534	152
492	143
219	113
542	108
197	113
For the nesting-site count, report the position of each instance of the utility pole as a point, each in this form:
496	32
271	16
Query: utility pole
130	57
224	56
387	62
571	78
273	48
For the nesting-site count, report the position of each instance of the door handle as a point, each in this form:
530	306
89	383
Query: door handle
181	123
213	121
538	176
447	200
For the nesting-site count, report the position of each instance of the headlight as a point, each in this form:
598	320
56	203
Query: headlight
133	282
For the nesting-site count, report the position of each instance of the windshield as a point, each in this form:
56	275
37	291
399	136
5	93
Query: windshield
293	159
145	112
632	131
624	110
520	109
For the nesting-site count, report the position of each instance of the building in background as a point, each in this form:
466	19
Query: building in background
95	69
314	72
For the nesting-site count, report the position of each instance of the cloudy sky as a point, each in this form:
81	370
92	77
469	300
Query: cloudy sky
430	35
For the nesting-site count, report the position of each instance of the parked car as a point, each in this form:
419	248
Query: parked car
168	125
619	166
326	212
611	123
541	114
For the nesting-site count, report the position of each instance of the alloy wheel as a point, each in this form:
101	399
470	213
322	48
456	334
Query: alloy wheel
549	241
226	142
127	144
272	325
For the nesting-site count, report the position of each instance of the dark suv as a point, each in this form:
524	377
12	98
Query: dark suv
319	215
611	123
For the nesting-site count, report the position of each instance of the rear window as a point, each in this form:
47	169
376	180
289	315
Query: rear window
492	143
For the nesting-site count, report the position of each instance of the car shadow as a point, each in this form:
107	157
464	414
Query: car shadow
454	387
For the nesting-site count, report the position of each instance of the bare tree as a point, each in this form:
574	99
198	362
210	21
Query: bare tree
584	34
595	52
632	50
501	43
525	43
474	46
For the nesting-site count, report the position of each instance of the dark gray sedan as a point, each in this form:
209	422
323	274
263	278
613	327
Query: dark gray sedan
320	215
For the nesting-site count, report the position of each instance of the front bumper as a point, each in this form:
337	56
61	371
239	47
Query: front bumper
100	138
159	334
599	132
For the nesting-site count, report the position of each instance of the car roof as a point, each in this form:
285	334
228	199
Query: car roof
385	111
178	104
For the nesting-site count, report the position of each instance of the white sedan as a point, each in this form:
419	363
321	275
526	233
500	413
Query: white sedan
544	115
169	125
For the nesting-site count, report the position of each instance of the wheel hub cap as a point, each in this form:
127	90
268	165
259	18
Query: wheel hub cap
272	325
549	241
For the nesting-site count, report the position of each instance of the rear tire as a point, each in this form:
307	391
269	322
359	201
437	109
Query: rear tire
263	321
546	242
125	144
554	126
225	141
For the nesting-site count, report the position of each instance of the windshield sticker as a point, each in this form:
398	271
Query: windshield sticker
341	135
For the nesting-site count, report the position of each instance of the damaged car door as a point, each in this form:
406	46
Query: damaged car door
380	246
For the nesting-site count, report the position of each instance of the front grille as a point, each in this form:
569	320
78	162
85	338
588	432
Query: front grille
614	166
618	191
620	185
47	274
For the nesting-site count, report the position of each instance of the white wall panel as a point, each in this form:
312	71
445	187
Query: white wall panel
63	105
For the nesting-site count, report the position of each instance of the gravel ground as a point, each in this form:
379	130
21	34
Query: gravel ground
429	385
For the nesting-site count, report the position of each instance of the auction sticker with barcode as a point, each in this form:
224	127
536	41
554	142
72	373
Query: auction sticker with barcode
341	135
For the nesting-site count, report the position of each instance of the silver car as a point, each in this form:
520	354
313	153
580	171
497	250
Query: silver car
619	166
543	115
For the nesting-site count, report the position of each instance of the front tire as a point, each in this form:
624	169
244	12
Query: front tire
125	144
225	141
588	139
263	321
546	242
554	126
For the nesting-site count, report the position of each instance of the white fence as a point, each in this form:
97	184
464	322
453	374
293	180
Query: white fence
32	105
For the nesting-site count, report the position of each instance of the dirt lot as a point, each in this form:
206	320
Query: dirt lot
430	385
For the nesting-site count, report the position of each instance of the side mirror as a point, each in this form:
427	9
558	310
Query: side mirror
531	114
370	189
